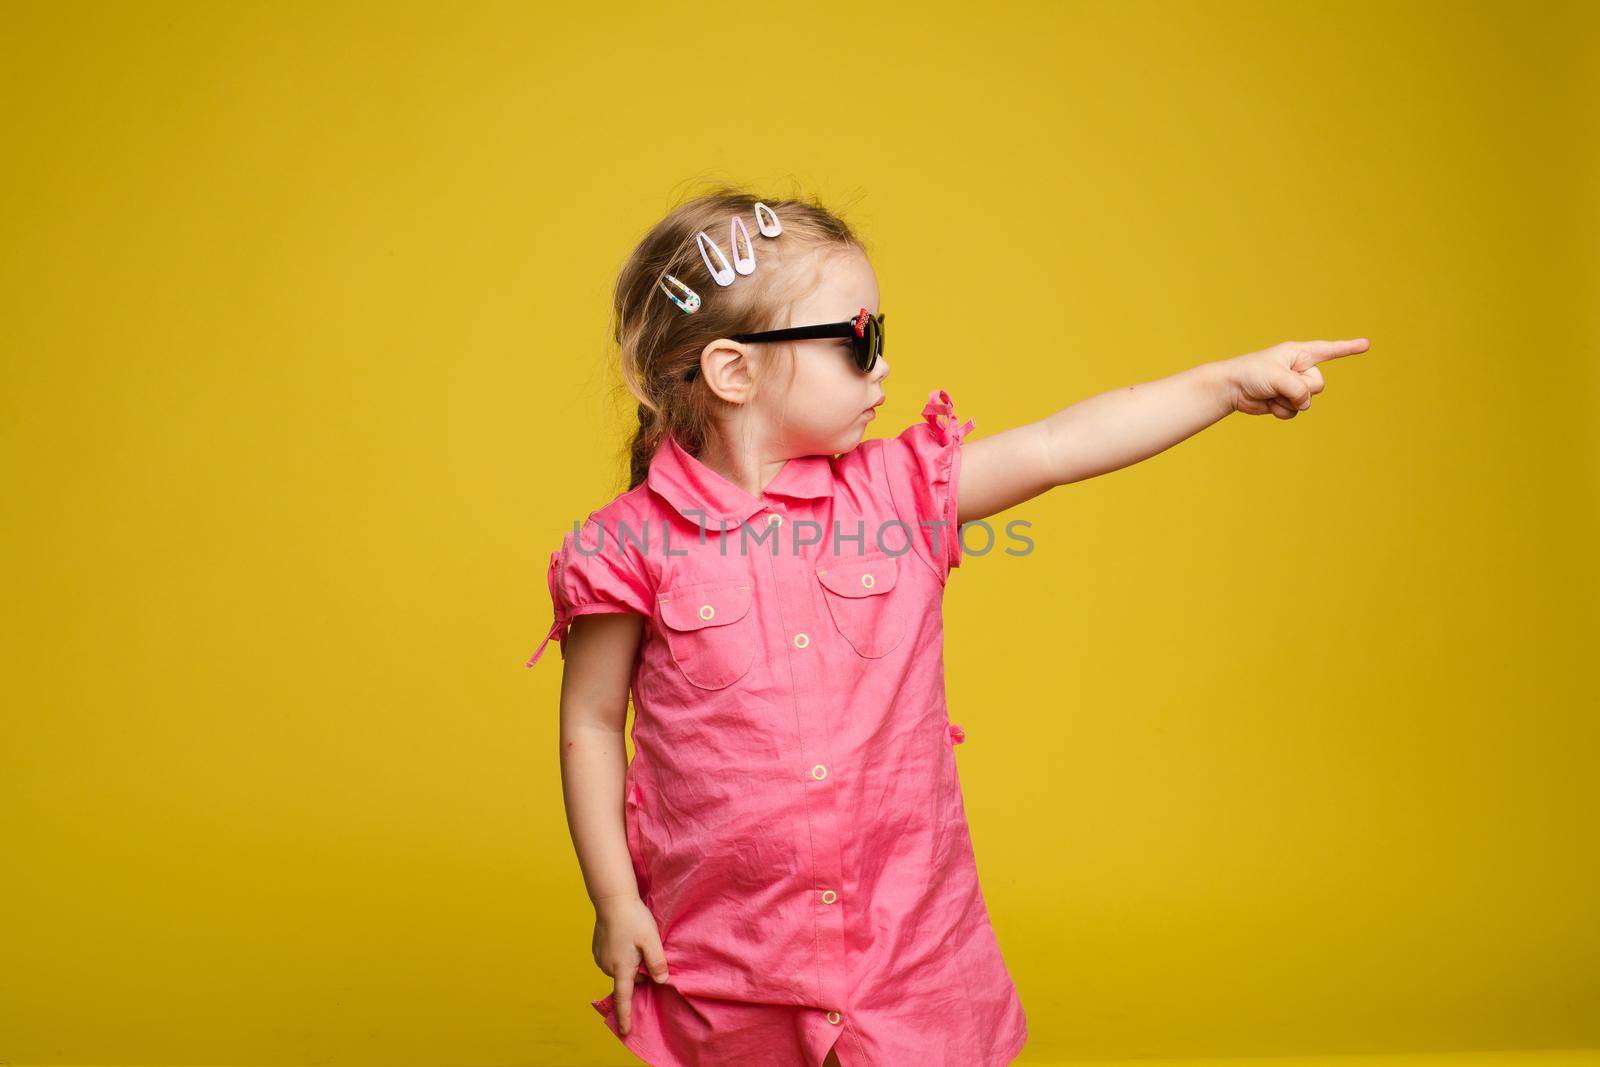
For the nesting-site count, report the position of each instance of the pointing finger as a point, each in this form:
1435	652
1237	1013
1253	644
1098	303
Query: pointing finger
625	1000
1310	353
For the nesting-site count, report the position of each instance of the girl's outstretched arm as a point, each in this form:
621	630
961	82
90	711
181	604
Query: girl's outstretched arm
1121	427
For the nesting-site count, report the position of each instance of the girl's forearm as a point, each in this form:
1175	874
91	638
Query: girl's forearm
594	761
1123	426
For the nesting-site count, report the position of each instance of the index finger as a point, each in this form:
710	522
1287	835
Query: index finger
624	1000
1310	353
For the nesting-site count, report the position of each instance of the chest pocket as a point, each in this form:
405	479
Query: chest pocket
861	600
710	631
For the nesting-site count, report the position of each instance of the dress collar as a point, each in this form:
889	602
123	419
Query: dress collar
705	497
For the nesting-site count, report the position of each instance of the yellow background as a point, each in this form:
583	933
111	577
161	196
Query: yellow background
1283	741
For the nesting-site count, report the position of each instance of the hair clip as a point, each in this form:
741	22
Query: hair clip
736	229
722	276
691	299
767	229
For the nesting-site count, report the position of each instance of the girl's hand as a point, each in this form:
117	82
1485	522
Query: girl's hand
1283	378
624	933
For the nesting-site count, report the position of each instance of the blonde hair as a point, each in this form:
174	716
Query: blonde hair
658	342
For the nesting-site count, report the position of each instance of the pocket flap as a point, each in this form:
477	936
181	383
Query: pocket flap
698	606
859	577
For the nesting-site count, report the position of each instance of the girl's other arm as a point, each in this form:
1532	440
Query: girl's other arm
1119	428
594	759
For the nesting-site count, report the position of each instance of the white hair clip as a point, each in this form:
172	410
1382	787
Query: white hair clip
768	229
736	229
723	275
690	302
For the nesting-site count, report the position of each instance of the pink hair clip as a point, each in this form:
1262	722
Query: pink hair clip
747	264
690	302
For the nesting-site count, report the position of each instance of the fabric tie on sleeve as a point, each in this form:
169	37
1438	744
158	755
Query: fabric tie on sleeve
587	578
940	411
561	618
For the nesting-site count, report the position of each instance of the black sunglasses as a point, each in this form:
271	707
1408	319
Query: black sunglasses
865	332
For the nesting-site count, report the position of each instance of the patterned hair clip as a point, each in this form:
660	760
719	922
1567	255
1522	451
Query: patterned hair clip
736	230
722	275
768	229
690	301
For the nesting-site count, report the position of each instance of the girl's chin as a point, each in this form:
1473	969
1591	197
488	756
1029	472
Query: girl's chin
849	439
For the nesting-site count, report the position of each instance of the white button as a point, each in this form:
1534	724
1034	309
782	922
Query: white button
819	772
801	640
866	580
829	896
706	611
774	519
834	1017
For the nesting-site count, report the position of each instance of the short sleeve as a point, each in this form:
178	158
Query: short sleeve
924	468
591	573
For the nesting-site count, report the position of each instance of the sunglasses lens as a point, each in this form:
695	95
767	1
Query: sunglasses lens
869	345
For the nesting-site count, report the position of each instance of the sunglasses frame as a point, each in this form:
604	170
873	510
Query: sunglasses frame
865	331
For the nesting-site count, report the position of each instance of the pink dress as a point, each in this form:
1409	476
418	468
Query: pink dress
793	808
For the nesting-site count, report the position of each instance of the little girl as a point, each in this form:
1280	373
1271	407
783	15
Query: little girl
786	859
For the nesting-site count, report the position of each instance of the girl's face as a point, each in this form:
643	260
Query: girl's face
829	404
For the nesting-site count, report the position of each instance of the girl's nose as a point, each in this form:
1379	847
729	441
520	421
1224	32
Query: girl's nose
880	370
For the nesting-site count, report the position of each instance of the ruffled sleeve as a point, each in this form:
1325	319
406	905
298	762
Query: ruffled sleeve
589	575
924	467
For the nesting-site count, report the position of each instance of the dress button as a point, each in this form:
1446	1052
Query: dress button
801	640
706	611
866	580
774	519
834	1017
819	772
829	896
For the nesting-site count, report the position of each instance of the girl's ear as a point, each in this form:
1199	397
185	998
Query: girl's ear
725	366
